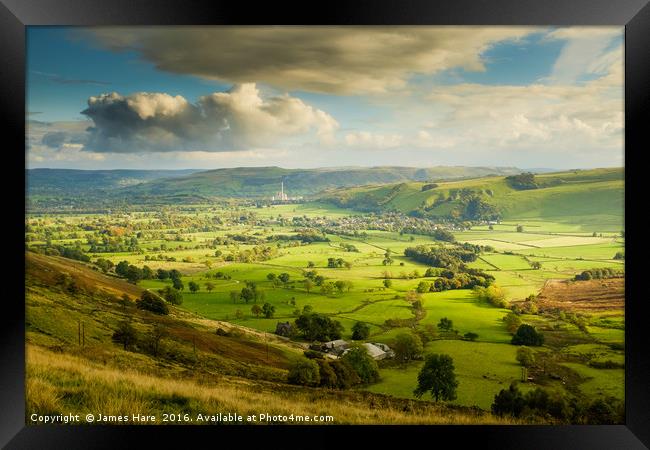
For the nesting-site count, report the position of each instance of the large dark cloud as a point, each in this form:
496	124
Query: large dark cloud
340	60
222	121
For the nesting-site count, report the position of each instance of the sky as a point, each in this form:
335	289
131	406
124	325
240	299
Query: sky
301	97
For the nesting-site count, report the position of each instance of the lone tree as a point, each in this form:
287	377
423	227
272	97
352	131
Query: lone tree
360	331
438	377
388	284
268	310
125	334
527	335
209	286
445	324
309	285
525	356
256	310
194	286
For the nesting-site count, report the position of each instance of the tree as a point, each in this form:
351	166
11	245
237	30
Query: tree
346	376
407	347
360	331
311	264
512	321
125	334
348	265
535	265
154	338
268	310
256	310
153	303
247	294
527	335
328	377
340	286
509	402
304	372
470	336
284	277
121	268
309	285
172	295
318	327
525	356
437	377
445	324
178	284
194	286
520	228
209	286
271	276
363	364
134	274
388	284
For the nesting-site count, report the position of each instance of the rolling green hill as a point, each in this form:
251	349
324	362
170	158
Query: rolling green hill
74	365
263	182
562	195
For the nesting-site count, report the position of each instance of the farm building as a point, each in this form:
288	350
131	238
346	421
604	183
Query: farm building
336	347
378	351
283	329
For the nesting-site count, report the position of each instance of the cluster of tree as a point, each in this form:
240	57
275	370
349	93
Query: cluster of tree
75	253
267	309
597	274
151	302
474	208
248	293
543	403
104	264
619	255
349	247
440	234
438	256
523	181
113	245
527	335
512	321
429	186
491	294
353	368
127	336
340	286
456	281
134	273
318	327
335	263
257	253
305	236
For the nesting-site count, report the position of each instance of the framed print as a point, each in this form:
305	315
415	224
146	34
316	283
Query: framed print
378	216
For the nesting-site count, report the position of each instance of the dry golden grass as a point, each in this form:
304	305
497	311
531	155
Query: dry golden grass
60	383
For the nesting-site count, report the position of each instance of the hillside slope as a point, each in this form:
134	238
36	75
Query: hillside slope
74	366
598	192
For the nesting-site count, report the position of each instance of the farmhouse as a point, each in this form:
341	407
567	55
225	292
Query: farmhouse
337	347
283	329
377	350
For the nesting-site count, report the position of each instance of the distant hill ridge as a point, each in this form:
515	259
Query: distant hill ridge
249	182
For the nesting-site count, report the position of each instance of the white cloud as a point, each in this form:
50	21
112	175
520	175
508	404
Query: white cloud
239	119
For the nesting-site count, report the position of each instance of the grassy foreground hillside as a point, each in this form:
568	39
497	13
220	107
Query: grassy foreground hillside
73	365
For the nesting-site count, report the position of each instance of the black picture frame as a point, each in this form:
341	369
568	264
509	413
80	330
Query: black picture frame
15	15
